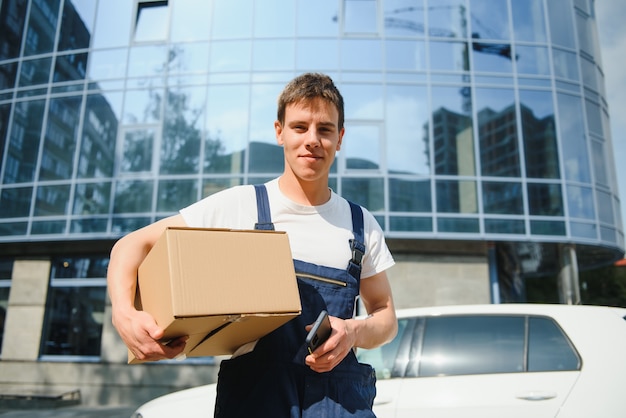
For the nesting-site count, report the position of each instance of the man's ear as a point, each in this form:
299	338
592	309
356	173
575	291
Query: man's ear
343	131
278	129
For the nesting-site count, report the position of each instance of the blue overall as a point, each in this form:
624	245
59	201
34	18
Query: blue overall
273	380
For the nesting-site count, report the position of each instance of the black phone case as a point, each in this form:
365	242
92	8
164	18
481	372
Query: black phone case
319	333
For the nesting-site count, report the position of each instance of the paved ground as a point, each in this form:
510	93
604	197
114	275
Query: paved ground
70	412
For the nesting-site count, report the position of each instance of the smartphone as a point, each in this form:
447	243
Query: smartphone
319	333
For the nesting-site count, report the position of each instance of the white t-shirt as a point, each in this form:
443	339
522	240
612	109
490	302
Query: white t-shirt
317	234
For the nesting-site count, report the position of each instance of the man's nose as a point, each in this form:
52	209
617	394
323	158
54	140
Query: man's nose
312	138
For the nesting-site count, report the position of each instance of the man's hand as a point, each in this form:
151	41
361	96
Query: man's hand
143	336
328	355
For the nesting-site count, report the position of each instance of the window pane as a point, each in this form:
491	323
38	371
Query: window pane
230	56
409	195
547	228
52	200
114	23
472	345
584	230
580	202
561	24
548	348
499	148
35	72
410	224
456	197
225	27
573	139
529	21
92	198
142	106
361	146
126	225
15	203
361	55
48	227
449	56
99	135
182	130
460	225
176	194
503	198
449	19
188	58
71	67
109	64
12	20
138	151
24	142
151	21
42	25
263	112
405	56
532	60
227	129
402	18
605	207
453	138
273	55
504	226
269	23
77	24
74	321
190	20
407	123
360	16
538	128
367	192
545	199
496	13
599	163
57	160
146	61
317	55
565	64
317	18
133	197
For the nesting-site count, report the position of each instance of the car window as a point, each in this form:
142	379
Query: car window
473	344
548	348
457	345
384	358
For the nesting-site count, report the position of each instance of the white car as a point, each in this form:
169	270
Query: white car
507	360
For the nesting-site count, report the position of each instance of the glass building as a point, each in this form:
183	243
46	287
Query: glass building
476	128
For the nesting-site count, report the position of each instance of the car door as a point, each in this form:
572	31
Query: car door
476	365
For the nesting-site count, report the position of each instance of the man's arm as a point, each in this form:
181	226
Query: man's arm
138	329
380	326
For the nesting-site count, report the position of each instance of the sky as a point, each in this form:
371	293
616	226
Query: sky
611	18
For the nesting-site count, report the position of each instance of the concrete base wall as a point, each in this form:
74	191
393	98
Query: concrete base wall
102	384
418	280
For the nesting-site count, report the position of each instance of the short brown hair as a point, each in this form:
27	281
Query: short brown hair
307	87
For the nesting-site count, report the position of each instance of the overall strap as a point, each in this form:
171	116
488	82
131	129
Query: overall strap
357	244
264	217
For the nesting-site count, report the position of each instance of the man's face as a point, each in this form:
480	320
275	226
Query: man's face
310	137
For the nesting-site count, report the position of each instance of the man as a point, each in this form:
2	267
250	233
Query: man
339	253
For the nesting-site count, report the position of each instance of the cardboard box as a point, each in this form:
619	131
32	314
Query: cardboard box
223	288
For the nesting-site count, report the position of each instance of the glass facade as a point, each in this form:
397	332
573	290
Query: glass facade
465	119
